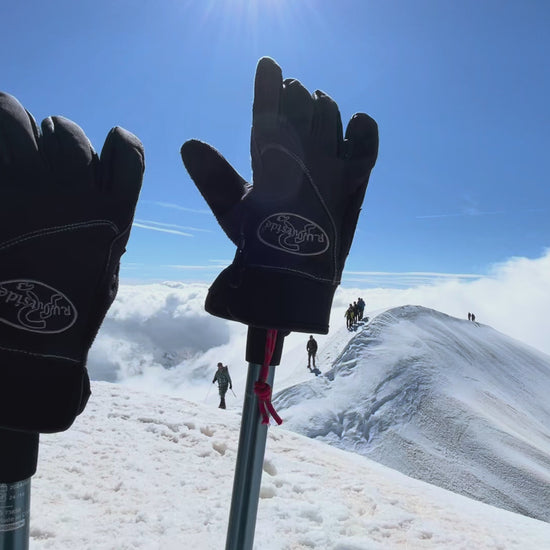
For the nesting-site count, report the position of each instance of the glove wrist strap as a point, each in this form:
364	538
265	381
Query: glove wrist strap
40	393
272	299
19	456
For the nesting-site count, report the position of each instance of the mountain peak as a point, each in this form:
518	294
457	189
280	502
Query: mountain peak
446	400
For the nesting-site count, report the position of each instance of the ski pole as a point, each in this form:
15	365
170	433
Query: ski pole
15	502
233	392
17	465
208	393
251	450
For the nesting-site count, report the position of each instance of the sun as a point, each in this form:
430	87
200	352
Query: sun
251	13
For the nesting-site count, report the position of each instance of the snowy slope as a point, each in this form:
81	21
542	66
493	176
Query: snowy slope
151	472
445	400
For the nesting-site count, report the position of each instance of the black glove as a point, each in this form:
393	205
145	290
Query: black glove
294	227
65	218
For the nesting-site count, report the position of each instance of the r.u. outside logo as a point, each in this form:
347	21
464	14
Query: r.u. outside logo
35	307
293	234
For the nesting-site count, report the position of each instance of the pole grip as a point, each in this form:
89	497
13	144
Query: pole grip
255	346
18	455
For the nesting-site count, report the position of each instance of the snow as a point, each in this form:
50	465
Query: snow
139	471
149	464
442	399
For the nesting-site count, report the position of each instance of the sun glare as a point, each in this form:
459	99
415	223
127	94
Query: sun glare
252	17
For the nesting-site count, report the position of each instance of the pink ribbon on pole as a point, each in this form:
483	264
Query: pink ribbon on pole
261	388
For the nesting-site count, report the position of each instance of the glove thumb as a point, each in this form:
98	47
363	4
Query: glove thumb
218	182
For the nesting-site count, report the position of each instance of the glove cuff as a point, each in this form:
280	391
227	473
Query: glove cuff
271	299
40	393
19	456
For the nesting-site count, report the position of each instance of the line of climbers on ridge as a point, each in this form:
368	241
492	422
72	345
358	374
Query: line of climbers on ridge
354	313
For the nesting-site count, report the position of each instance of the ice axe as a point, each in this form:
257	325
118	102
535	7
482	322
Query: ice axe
208	392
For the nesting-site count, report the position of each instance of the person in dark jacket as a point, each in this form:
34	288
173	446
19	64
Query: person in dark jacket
311	348
224	381
360	308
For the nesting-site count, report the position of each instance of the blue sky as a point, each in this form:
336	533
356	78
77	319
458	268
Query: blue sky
460	90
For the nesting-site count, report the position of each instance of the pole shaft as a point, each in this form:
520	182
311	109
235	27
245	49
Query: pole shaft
15	503
18	460
248	469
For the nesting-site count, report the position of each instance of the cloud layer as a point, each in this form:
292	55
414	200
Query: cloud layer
514	298
158	336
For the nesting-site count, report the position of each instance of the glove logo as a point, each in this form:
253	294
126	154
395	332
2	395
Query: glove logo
35	307
293	234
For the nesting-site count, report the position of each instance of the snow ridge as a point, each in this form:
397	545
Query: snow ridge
444	400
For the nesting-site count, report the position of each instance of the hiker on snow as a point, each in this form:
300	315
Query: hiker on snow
349	317
311	348
224	380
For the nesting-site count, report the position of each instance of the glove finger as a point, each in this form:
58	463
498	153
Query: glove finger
268	85
122	163
361	150
361	143
327	123
68	151
218	182
18	134
297	106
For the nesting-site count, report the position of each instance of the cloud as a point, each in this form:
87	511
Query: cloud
473	211
194	267
212	266
403	279
178	207
161	333
174	226
159	227
158	336
514	298
469	212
